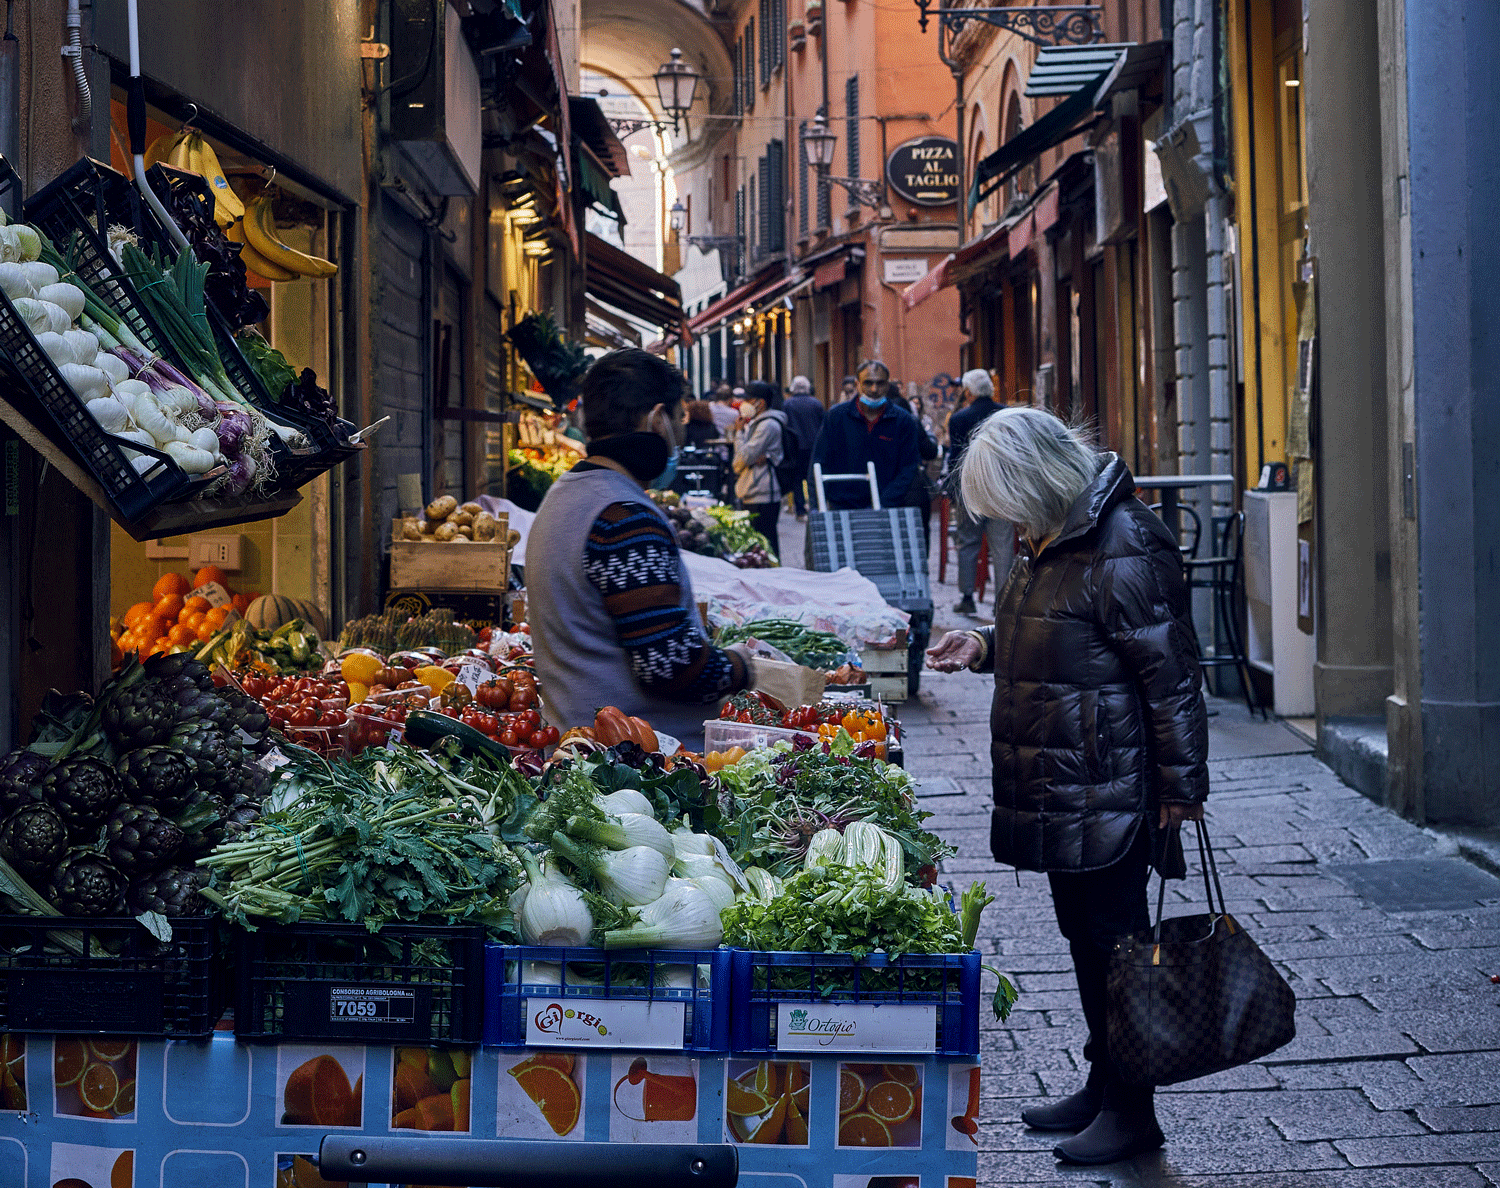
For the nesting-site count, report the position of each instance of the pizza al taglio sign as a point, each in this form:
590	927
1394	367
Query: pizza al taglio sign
925	171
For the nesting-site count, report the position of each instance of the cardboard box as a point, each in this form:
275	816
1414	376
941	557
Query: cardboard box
434	565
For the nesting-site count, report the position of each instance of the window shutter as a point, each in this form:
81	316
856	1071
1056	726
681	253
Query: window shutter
765	42
802	178
851	127
773	191
737	252
750	60
739	77
778	34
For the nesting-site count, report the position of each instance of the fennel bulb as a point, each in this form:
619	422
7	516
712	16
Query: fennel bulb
622	832
633	876
625	800
684	917
550	910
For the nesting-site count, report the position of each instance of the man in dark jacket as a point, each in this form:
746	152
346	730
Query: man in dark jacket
1099	733
972	529
869	429
804	414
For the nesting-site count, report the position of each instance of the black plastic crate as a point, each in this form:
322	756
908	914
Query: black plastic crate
110	977
886	545
408	983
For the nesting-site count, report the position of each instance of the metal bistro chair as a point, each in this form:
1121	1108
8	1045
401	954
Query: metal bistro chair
1188	548
699	472
513	1163
1223	574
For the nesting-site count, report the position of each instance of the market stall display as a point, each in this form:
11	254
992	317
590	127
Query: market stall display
716	530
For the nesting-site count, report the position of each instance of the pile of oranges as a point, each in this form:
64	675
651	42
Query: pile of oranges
176	619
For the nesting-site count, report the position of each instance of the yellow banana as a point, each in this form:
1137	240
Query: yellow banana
252	259
162	146
227	206
260	233
178	157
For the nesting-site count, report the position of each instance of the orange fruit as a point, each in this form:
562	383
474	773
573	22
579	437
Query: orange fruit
136	613
125	1100
217	616
435	1112
851	1091
196	602
864	1130
69	1058
905	1073
891	1101
743	1102
99	1086
206	630
796	1124
110	1048
556	1095
152	628
771	1129
562	1061
122	1175
210	573
169	583
127	643
161	647
318	1094
460	1095
241	602
191	618
181	633
171	606
412	1085
405	1120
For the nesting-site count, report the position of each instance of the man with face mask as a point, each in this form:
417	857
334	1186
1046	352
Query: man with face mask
612	612
870	428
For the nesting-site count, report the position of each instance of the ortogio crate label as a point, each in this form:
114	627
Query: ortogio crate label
599	1023
856	1027
371	1004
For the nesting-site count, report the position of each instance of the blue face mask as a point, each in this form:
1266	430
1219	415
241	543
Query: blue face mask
873	401
664	480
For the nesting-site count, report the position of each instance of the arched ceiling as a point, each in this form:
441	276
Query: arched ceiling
630	39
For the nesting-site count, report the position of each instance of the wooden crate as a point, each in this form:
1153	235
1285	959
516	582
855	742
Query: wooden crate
889	688
431	565
883	661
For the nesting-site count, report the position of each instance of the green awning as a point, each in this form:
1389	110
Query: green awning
1029	143
596	187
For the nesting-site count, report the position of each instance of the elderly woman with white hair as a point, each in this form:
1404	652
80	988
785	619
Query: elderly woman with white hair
1099	733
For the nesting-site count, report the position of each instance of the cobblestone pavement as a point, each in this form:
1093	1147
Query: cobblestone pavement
1388	938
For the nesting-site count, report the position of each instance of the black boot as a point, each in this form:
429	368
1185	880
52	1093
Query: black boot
1073	1112
1126	1127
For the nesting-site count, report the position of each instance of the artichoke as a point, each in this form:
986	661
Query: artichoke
84	792
84	884
245	712
139	716
33	839
172	892
211	752
164	667
159	777
20	773
242	813
139	839
246	783
202	825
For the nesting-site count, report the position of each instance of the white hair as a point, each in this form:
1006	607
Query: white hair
801	385
978	381
1025	466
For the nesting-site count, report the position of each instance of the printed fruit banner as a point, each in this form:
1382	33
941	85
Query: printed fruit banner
106	1112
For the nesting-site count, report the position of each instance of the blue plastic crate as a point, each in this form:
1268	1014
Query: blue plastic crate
763	982
599	975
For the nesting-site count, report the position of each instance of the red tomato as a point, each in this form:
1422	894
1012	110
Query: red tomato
304	685
508	738
522	697
305	715
334	718
553	735
537	739
532	718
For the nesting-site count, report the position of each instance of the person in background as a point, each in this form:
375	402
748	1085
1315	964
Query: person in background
970	529
804	414
919	494
724	412
871	428
700	428
849	389
757	452
1098	728
612	612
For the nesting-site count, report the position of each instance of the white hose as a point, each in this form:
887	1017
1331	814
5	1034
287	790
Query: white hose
74	50
133	11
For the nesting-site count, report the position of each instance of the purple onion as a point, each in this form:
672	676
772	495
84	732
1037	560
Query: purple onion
232	431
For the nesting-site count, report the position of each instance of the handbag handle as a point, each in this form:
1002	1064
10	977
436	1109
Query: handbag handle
1209	867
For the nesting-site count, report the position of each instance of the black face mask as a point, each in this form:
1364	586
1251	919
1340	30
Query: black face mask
643	454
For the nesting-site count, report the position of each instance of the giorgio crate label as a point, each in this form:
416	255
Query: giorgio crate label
605	1024
856	1027
371	1004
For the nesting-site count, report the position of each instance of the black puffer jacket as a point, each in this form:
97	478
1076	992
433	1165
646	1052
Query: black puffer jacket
1098	715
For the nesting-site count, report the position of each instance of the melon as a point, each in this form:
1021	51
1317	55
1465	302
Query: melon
270	611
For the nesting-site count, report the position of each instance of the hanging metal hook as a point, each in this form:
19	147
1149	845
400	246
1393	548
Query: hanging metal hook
270	177
188	123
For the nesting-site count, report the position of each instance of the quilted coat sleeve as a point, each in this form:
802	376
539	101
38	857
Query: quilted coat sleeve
1141	600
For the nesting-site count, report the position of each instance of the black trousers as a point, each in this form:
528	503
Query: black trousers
1094	909
799	488
764	518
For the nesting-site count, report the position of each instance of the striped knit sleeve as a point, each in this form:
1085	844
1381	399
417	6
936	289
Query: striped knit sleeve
632	559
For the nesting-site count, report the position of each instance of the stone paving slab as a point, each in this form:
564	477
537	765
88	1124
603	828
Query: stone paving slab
1394	1078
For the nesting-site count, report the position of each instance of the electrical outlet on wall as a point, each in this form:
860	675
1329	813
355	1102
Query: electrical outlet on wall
224	551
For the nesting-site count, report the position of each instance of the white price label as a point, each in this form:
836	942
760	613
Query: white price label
473	675
273	759
366	1004
216	594
393	739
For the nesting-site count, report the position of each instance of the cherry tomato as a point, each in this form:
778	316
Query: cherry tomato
334	718
553	735
306	716
537	739
532	718
508	738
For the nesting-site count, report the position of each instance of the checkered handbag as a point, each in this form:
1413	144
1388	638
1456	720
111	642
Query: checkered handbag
1195	995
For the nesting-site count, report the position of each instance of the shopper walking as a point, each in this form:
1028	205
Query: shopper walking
758	451
804	415
979	393
848	389
1098	729
724	412
612	612
869	429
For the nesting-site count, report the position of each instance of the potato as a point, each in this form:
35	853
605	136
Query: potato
442	507
411	530
471	507
466	531
428	527
485	526
460	539
446	532
462	518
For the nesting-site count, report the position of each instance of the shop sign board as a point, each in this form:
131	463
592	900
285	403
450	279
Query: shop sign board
602	1023
856	1027
924	171
903	272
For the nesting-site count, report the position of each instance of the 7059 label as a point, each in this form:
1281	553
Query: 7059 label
363	1004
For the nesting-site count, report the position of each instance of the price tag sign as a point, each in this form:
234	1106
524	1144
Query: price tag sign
371	1004
273	759
393	739
215	593
473	675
